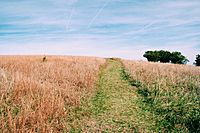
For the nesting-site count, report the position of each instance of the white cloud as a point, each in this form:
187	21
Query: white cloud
61	27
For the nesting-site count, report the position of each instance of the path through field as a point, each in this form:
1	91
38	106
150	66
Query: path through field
112	107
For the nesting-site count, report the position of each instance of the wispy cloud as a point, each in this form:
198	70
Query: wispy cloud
98	13
122	28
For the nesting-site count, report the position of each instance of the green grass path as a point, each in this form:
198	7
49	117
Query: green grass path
116	105
112	107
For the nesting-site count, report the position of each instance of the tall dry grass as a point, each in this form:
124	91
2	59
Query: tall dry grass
36	94
169	95
150	72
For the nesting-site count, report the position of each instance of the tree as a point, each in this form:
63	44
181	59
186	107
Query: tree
152	56
178	58
197	61
164	56
155	56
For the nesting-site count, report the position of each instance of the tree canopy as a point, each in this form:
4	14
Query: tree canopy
152	56
178	58
197	61
166	57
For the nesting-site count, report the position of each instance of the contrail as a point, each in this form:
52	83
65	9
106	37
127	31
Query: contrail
146	26
98	13
70	17
141	29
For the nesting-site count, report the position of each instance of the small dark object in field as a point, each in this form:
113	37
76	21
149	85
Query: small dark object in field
114	58
44	59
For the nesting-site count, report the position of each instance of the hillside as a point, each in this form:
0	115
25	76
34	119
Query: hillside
37	95
168	95
88	94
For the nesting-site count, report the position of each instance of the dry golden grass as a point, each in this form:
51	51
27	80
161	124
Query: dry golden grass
168	95
37	95
150	72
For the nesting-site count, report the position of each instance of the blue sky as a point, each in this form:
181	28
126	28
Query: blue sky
106	28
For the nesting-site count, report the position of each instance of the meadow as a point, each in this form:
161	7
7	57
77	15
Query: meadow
36	95
168	95
90	94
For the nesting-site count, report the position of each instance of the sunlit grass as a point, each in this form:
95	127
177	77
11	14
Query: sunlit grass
36	95
168	95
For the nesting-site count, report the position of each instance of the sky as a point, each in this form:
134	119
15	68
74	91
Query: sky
104	28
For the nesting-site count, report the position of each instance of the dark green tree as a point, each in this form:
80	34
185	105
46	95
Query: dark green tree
197	61
152	56
164	56
178	58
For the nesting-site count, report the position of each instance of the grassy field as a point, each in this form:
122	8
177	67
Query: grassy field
168	95
36	96
87	94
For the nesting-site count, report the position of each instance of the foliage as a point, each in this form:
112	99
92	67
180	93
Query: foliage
165	57
197	61
178	58
152	56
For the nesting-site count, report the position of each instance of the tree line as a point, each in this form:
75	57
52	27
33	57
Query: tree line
169	57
